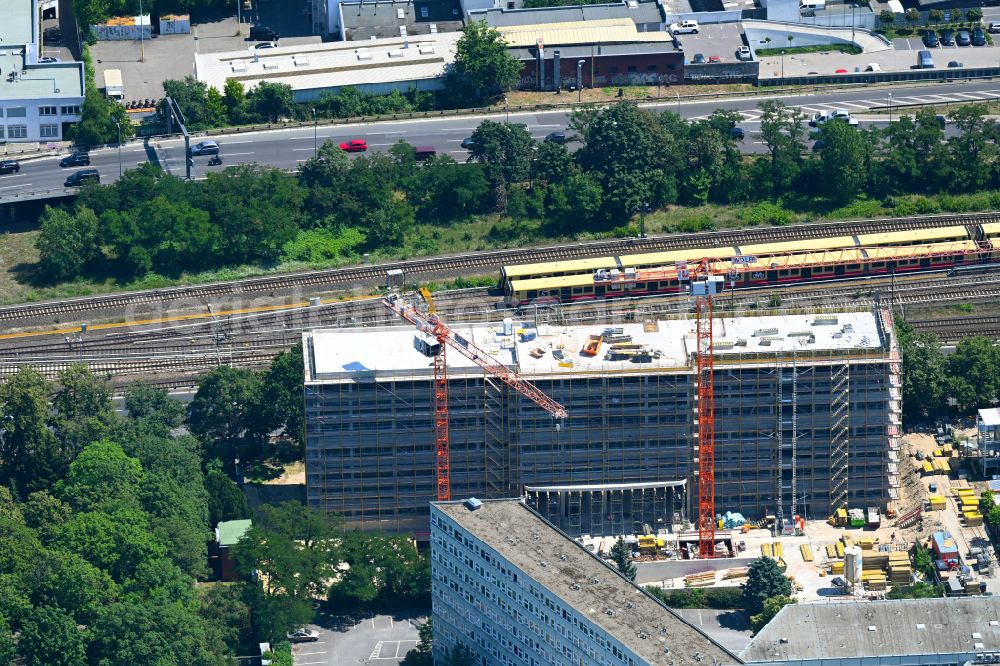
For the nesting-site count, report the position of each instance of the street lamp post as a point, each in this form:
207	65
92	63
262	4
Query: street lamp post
579	80
506	109
118	125
239	18
142	43
782	66
853	5
315	133
643	209
890	108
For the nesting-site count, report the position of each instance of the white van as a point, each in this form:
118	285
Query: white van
812	5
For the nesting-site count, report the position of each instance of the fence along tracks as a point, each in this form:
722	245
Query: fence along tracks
487	261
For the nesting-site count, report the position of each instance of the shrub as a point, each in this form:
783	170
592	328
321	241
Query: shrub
974	15
886	16
935	15
912	15
768	213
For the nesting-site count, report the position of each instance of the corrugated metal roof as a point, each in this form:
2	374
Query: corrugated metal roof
550	267
990	417
890	237
991	228
799	246
600	31
229	532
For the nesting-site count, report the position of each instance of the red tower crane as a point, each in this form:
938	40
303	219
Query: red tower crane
432	325
706	423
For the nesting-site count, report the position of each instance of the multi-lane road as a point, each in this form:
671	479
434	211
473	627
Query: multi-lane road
287	148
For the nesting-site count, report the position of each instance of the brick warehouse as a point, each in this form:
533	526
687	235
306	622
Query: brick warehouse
807	410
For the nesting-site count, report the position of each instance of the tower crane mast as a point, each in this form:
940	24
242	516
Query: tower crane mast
432	325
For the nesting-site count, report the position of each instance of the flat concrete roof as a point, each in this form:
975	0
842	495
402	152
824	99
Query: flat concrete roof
879	629
365	20
332	64
353	354
641	12
16	27
588	585
18	55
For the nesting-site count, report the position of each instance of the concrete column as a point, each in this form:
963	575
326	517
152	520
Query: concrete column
556	72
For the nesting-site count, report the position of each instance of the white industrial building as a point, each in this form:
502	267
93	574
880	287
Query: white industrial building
37	100
517	591
376	66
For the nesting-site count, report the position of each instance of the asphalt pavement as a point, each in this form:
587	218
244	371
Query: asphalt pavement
381	639
287	148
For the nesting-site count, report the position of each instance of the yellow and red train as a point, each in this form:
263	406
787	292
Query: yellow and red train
750	265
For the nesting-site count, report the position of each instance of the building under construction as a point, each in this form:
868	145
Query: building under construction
806	420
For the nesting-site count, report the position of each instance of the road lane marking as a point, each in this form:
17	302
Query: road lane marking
295	150
390	623
378	646
967	96
309	663
235	143
11	187
228	154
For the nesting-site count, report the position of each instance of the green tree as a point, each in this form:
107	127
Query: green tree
151	404
282	402
505	151
100	120
923	562
83	409
225	499
924	372
30	455
49	637
271	101
191	97
222	409
764	580
621	555
102	476
216	112
422	654
782	131
482	67
116	543
8	648
234	98
844	160
459	655
973	148
976	362
771	607
67	581
919	590
66	242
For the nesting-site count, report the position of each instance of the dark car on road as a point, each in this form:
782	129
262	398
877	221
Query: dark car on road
555	137
204	148
83	176
699	59
9	166
468	143
78	158
948	37
262	33
737	133
963	38
994	28
978	37
931	39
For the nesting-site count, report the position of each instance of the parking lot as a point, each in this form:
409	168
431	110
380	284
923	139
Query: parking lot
383	640
713	39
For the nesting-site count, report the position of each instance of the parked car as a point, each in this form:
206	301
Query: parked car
423	153
48	59
837	114
302	635
963	38
743	53
555	137
955	64
873	67
262	33
948	37
265	45
714	59
924	60
354	146
837	581
931	39
204	148
78	158
698	59
978	37
468	143
83	176
994	28
9	166
737	133
688	27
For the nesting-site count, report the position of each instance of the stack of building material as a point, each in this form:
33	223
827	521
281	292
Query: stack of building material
937	502
831	551
874	580
875	561
765	550
778	550
927	467
837	567
736	572
704	579
866	543
900	571
942	465
807	554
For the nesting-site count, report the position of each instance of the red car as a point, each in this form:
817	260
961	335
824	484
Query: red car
354	146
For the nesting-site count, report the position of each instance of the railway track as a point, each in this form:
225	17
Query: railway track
469	263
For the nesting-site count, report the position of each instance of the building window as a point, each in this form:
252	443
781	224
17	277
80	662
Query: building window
651	68
46	110
1	131
48	131
632	69
71	110
17	112
17	131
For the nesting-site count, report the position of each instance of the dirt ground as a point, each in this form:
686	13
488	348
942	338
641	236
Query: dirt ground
295	473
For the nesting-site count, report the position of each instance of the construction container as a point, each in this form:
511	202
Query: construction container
937	453
840	549
856	518
973	518
927	467
937	502
945	547
778	550
831	551
124	28
765	550
807	554
175	24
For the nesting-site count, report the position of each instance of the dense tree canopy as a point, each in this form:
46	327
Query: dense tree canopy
764	581
483	67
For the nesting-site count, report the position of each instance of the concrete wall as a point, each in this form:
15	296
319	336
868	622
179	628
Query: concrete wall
723	71
654	572
372	88
607	70
757	33
707	17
